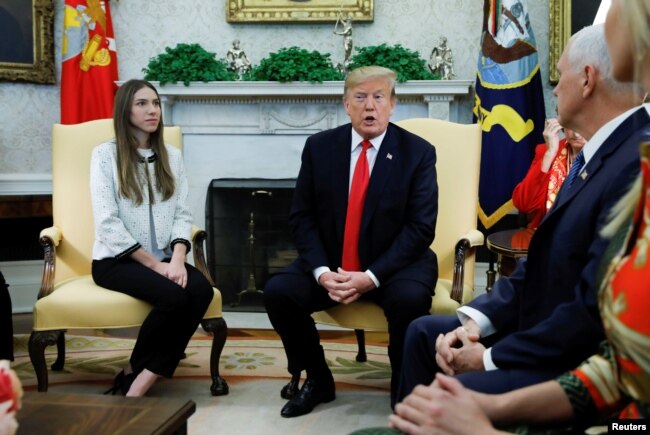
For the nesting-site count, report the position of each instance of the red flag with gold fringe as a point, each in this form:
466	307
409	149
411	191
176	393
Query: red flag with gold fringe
89	63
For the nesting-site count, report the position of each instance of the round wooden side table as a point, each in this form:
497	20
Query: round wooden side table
510	246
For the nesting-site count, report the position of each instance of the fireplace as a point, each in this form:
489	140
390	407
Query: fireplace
254	132
248	236
258	129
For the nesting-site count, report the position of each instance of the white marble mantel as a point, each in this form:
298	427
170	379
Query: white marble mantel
440	97
258	129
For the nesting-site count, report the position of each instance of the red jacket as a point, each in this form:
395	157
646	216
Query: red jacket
531	193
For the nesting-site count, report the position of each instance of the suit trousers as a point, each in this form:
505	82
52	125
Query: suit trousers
290	298
420	367
175	315
6	323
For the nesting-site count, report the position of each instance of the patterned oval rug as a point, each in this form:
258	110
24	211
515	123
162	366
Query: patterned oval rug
99	358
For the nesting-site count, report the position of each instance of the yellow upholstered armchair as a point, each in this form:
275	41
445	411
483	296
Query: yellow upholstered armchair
68	297
458	148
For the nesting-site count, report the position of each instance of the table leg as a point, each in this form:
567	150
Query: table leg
182	430
491	274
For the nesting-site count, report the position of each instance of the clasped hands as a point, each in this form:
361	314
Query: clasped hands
345	287
460	351
174	271
443	408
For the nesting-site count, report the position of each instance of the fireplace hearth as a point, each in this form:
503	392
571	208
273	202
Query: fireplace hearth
248	237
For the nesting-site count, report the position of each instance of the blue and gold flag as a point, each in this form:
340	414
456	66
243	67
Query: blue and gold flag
509	104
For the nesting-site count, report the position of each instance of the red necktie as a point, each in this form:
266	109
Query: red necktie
356	200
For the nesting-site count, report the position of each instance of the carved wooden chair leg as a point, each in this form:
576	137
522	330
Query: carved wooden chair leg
361	342
219	331
60	352
38	341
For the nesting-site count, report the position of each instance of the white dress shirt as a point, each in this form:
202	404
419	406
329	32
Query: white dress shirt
371	155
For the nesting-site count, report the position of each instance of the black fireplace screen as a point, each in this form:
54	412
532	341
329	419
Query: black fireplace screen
248	236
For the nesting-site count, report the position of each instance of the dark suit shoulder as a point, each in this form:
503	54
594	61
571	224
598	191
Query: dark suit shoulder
332	135
406	136
633	129
409	143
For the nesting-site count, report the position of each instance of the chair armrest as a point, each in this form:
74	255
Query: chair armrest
470	240
49	240
198	238
53	233
475	238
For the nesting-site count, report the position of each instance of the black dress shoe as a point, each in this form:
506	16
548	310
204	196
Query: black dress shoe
292	388
311	394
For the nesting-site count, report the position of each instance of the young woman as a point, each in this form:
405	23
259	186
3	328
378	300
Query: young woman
142	232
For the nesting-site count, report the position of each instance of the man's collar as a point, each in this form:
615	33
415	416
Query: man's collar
606	131
376	141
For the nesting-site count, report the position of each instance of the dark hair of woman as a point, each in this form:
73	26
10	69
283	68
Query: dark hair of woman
127	144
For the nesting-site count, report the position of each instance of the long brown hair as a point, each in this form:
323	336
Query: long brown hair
128	157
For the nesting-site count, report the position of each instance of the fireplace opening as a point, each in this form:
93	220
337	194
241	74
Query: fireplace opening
248	237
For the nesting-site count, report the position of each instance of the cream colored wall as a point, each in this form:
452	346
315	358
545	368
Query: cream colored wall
144	28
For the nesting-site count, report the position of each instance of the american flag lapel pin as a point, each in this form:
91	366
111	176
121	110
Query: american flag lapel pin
389	156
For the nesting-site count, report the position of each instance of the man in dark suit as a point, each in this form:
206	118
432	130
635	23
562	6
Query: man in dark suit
363	217
543	319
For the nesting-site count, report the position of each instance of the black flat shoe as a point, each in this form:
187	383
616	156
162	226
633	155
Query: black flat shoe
117	384
292	388
310	395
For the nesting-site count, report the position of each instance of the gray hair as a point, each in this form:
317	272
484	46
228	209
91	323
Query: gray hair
589	47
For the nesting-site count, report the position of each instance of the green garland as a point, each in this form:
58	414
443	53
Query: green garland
407	64
186	63
296	64
190	62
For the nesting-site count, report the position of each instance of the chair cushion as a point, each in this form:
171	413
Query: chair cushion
370	317
79	303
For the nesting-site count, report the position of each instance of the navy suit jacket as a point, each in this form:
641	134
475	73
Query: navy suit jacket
548	307
399	216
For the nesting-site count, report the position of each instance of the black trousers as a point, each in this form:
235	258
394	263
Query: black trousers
6	324
420	367
290	298
176	312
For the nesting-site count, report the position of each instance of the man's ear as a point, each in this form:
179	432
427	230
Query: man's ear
589	80
346	105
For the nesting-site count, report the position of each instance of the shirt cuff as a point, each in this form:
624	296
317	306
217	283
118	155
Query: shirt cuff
488	364
319	271
373	277
465	313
